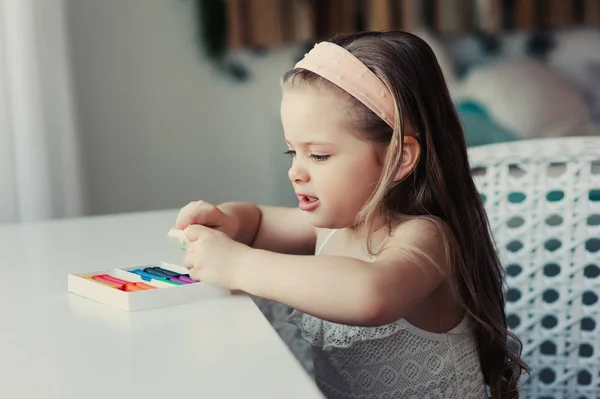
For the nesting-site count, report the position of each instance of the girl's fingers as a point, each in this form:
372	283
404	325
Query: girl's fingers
199	212
196	274
188	261
194	232
185	216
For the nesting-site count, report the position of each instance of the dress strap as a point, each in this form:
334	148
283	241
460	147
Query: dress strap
332	232
329	235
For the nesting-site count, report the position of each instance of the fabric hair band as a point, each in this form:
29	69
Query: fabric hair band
343	69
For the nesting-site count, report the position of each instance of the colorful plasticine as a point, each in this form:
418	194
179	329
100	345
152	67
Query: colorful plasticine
164	271
100	282
185	277
168	274
149	276
144	285
182	277
123	285
178	238
130	285
156	272
178	280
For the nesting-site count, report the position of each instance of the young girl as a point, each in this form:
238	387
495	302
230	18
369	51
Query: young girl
403	296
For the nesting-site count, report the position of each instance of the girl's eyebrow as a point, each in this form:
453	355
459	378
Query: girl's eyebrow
310	143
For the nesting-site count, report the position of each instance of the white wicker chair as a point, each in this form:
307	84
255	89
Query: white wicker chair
543	201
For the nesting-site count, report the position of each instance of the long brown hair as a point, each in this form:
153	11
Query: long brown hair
440	187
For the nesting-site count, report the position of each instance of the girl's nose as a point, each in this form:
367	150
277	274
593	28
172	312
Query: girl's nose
298	174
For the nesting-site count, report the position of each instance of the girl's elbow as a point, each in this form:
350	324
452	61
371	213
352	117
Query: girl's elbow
374	313
379	309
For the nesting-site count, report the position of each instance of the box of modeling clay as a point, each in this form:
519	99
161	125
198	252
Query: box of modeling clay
143	287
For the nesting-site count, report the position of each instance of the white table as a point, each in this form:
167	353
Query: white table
58	345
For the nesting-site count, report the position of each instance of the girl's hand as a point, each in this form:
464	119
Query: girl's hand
213	257
205	214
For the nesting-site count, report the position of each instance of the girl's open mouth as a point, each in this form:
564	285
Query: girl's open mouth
308	203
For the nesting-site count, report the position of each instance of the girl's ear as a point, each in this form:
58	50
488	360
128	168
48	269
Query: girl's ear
410	156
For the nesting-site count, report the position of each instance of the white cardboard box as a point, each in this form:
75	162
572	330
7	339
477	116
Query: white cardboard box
165	294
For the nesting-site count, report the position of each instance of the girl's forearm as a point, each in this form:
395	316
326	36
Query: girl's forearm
247	219
338	289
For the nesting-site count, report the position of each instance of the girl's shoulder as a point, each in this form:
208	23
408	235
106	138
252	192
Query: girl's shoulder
419	229
419	239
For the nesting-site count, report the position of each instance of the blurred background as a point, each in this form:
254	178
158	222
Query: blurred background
112	106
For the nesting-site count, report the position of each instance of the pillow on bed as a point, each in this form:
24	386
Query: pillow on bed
527	98
479	128
574	51
593	91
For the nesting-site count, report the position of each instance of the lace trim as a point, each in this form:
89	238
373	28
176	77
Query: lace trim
325	334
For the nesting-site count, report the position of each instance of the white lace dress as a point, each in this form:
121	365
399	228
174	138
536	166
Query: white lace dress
397	360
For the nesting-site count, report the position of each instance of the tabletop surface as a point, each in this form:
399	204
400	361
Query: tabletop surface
54	344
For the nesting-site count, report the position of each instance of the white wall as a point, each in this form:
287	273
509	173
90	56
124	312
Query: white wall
159	126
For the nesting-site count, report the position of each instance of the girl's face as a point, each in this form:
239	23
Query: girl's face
334	171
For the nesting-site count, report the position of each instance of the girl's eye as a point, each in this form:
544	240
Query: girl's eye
319	158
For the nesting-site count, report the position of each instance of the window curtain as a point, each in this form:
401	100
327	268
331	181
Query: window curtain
40	167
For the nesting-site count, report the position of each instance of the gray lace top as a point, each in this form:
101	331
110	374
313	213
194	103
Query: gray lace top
397	360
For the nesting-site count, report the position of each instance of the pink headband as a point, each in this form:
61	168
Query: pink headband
343	69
